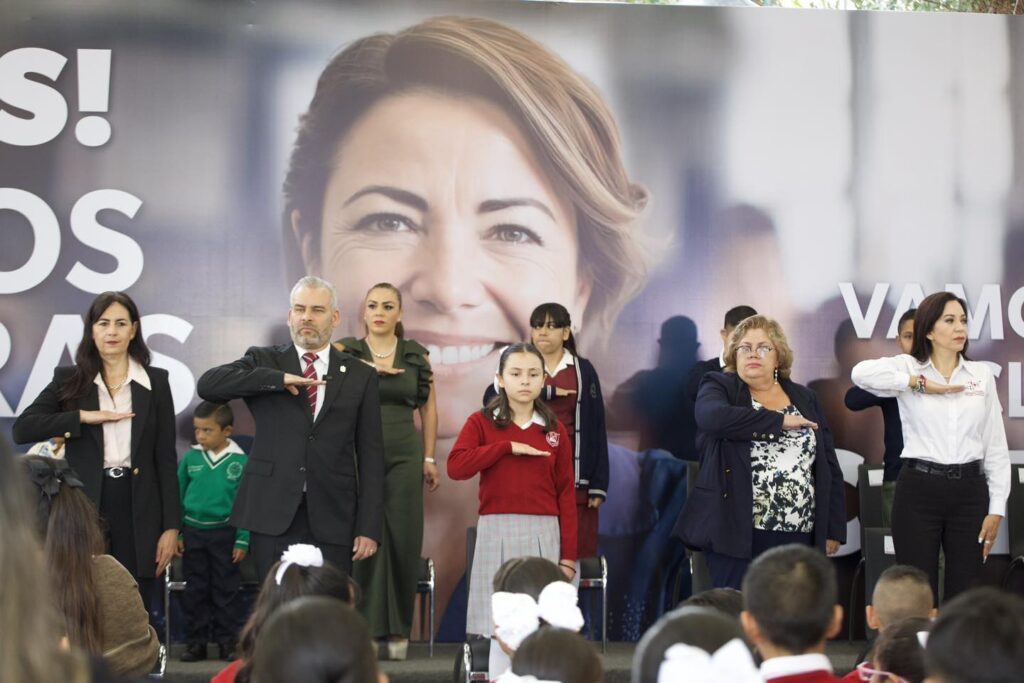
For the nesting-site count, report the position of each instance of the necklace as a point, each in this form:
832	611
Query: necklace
114	387
381	355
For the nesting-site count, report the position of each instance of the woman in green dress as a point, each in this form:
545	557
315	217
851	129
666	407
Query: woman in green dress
388	578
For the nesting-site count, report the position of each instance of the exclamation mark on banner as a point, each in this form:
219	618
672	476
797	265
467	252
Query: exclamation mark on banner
93	96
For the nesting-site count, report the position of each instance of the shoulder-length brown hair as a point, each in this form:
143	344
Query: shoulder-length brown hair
775	335
928	313
565	118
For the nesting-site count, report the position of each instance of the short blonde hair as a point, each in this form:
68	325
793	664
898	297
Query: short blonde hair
775	334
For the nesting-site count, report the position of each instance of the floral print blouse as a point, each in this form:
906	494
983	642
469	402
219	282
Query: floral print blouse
783	478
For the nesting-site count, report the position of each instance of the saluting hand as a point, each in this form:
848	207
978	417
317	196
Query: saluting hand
96	417
797	422
293	382
526	449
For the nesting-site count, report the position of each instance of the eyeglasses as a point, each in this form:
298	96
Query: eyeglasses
549	325
865	672
745	350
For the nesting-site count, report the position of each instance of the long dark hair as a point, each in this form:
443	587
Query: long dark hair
399	328
315	639
559	315
72	537
298	581
928	313
87	356
499	403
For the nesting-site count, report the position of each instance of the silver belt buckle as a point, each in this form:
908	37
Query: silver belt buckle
117	472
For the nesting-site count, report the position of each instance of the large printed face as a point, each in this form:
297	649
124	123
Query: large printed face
444	198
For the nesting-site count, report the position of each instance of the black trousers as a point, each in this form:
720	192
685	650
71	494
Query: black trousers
932	511
267	549
116	517
728	572
211	601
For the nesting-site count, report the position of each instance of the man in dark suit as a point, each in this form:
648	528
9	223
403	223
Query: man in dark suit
316	471
733	317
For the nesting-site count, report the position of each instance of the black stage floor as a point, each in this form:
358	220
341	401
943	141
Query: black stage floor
421	668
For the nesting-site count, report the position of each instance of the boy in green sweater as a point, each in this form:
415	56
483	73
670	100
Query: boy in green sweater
208	479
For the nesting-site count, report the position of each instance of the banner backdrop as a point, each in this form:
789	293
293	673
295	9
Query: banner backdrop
827	168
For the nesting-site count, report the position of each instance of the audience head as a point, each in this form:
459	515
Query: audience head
557	654
977	639
530	592
905	331
726	600
70	527
302	572
30	629
902	592
757	348
898	652
520	379
316	639
790	594
733	317
701	627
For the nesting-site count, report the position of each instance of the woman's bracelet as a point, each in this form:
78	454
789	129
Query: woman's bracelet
571	567
921	381
430	461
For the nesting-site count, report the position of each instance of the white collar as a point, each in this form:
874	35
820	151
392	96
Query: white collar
232	447
721	359
777	667
960	364
136	373
566	361
537	419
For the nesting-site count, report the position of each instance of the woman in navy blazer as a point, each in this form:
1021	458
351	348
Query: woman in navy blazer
769	474
116	416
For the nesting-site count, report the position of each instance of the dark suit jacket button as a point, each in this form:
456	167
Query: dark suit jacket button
302	469
136	471
728	470
725	495
312	438
67	435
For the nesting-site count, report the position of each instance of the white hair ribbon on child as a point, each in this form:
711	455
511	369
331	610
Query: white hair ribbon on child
922	638
302	554
558	606
732	662
509	677
515	615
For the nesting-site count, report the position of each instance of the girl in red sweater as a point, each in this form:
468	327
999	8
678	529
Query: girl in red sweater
527	492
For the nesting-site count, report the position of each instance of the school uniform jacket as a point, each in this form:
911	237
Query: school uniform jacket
154	462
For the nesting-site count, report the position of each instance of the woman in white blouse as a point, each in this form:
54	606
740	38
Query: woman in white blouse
952	490
116	416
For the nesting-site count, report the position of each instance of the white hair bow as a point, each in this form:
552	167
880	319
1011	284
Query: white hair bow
302	554
517	615
732	662
509	677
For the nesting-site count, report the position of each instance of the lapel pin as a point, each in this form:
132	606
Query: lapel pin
343	368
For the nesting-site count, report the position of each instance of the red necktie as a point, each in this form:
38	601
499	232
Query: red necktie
310	373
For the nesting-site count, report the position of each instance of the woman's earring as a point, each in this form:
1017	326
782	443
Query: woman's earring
776	375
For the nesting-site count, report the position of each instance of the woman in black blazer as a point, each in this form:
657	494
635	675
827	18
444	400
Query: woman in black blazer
116	416
769	475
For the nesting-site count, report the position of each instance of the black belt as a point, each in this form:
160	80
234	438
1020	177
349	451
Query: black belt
974	468
116	472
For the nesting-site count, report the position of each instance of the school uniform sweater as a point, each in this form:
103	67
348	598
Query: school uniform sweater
208	483
519	484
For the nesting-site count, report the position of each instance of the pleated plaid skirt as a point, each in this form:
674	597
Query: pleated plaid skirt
500	538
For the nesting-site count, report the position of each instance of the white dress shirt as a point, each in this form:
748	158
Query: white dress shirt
949	429
117	436
321	365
